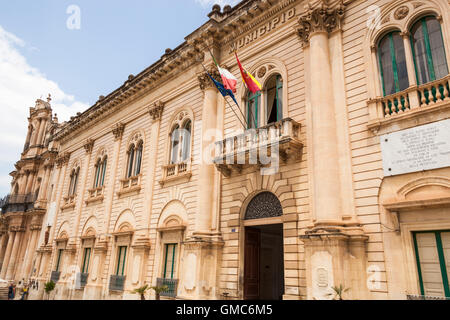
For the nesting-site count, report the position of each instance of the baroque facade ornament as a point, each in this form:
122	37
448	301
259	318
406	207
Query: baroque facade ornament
205	81
63	160
264	205
401	13
118	130
156	110
89	146
321	19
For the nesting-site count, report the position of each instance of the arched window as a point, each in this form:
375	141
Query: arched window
186	140
100	172
175	145
391	54
138	159
135	159
130	161
274	99
253	108
428	50
74	181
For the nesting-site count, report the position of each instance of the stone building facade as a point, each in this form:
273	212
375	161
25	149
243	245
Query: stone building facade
163	182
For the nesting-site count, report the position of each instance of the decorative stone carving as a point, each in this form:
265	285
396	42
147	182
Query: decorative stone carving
264	205
205	81
156	110
401	13
63	160
118	130
89	146
321	19
262	72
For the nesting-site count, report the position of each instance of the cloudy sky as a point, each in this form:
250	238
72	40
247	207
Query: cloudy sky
45	48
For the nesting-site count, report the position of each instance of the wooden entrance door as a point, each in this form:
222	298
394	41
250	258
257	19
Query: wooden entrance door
252	264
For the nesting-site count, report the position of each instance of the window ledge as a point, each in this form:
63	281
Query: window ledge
91	200
69	203
130	185
185	177
176	172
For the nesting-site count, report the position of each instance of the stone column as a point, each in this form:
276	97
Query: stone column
30	181
333	243
7	258
41	132
413	95
31	250
35	135
24	183
3	246
12	261
44	185
206	169
314	30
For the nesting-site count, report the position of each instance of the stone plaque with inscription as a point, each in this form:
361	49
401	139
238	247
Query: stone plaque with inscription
421	148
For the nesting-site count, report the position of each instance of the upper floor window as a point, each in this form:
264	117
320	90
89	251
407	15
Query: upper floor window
74	181
266	106
394	73
180	142
428	50
135	159
100	172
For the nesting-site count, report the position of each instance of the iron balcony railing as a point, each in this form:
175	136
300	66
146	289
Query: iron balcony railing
18	203
82	279
55	276
117	283
172	285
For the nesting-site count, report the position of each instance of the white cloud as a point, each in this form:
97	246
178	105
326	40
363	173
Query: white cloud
20	86
222	3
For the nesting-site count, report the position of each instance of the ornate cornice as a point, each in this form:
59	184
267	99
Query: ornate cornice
320	18
204	80
89	146
156	110
118	130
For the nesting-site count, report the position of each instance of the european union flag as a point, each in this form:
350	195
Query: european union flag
222	90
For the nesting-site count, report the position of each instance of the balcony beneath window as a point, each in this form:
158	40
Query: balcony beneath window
117	283
69	202
130	185
81	280
423	100
172	287
259	147
174	172
55	276
95	195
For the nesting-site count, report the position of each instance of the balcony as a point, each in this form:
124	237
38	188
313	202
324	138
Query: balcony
18	203
117	283
172	285
426	98
69	202
176	172
95	195
130	185
259	147
81	280
55	276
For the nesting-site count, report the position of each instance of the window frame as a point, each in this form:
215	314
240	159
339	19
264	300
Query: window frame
278	86
256	98
174	262
442	263
86	264
118	262
59	259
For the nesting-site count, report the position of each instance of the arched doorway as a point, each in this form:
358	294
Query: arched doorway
263	249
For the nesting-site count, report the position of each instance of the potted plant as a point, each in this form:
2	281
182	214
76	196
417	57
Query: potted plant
141	291
48	288
159	290
338	292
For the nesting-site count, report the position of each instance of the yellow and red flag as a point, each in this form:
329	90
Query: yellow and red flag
252	84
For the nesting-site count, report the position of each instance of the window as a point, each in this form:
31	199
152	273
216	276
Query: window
100	172
180	143
135	159
74	181
253	106
274	96
392	59
121	258
86	260
428	49
433	262
59	260
170	261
